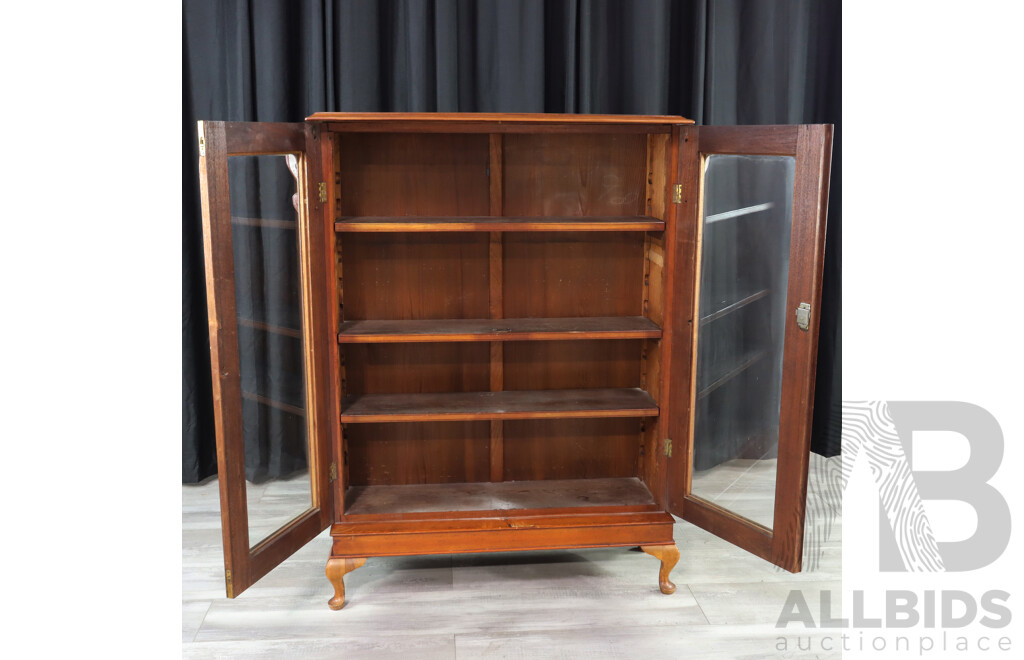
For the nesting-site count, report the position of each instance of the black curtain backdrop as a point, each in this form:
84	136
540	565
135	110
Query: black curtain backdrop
717	62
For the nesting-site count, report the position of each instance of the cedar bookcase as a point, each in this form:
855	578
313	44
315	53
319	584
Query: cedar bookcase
490	339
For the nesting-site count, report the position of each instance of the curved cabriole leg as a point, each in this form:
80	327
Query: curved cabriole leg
337	567
669	555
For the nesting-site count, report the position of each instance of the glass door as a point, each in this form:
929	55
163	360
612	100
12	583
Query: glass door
260	226
757	222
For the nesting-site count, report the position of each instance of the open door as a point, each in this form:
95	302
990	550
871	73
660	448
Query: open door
750	240
263	226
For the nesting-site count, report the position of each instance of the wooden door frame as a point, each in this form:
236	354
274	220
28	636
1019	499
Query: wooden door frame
811	145
218	141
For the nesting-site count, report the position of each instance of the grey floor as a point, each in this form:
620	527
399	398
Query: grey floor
601	603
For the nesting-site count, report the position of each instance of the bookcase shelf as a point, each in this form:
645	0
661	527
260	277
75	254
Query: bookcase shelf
549	329
501	224
517	404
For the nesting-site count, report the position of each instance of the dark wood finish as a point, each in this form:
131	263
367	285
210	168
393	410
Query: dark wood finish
243	138
681	298
416	276
337	568
807	248
455	118
571	448
500	533
528	495
433	176
394	224
669	556
244	565
496	279
425	453
523	404
749	140
811	146
497	329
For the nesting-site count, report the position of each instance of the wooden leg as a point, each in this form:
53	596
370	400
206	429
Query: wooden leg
337	567
669	555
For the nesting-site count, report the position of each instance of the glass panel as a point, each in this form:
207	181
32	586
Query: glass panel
264	236
748	207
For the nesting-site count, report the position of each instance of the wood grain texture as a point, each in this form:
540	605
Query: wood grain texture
336	569
749	140
423	453
394	224
799	359
571	448
500	533
669	557
521	117
498	329
507	495
523	404
243	565
594	175
388	174
416	276
679	322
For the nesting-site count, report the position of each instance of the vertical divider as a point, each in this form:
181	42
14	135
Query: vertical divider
497	445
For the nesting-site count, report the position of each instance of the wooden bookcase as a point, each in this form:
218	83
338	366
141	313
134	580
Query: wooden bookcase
485	332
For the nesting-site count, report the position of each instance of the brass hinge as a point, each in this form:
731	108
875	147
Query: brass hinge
677	193
322	189
332	471
227	580
668	447
202	144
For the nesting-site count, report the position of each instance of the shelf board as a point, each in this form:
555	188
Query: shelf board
518	404
738	213
501	496
494	223
729	309
746	364
545	329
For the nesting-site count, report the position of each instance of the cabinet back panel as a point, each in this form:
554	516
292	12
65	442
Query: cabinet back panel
573	274
574	175
415	276
413	174
570	448
421	453
411	368
555	365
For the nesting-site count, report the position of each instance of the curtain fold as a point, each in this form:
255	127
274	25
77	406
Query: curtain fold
715	61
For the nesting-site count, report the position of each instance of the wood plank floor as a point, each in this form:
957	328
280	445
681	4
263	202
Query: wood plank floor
601	603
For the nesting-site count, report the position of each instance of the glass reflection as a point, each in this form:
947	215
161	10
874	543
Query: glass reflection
264	234
742	311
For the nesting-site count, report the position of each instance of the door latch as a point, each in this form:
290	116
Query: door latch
803	316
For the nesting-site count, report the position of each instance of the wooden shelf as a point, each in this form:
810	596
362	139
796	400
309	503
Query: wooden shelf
547	329
519	404
493	223
743	366
729	309
501	496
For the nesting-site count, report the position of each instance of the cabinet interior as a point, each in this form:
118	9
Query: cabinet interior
511	286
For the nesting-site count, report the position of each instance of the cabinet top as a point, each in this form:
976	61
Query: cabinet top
498	117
